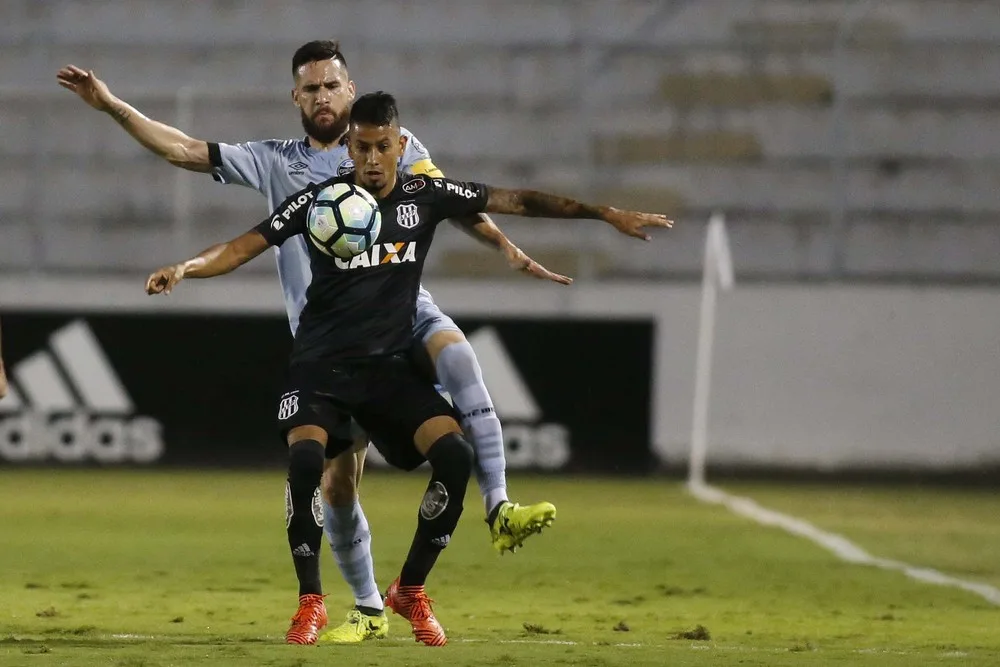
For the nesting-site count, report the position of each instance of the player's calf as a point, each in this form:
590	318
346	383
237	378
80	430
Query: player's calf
304	524
348	534
451	460
303	511
340	480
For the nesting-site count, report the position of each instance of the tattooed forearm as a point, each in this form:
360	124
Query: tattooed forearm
532	203
121	114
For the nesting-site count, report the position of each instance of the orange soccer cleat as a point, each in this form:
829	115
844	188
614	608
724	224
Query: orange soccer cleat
412	603
308	620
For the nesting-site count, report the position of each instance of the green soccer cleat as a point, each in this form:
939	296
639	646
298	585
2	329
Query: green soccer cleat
515	523
357	628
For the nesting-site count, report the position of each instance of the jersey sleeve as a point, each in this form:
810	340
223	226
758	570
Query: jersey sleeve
416	160
290	218
453	199
243	164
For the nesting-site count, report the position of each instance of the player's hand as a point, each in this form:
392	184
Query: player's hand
519	261
163	280
634	223
91	90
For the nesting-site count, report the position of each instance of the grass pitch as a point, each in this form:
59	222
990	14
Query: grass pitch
142	569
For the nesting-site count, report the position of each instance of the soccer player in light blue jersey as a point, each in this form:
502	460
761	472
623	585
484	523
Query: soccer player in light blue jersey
323	93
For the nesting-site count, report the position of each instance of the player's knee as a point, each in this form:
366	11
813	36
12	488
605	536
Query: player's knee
340	487
341	491
458	360
453	455
436	344
305	462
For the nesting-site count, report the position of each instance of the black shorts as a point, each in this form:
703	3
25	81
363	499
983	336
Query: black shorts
385	395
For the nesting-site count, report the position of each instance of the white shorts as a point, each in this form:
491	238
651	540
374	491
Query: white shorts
429	319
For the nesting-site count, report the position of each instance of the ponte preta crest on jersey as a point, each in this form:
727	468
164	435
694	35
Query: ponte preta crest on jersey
407	216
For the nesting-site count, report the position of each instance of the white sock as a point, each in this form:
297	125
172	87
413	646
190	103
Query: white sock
350	540
459	373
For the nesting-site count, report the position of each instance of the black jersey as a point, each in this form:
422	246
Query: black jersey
363	307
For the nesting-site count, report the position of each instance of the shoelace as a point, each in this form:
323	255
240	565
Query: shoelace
308	611
503	522
420	607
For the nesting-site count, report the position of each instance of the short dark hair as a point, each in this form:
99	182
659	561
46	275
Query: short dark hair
378	108
315	51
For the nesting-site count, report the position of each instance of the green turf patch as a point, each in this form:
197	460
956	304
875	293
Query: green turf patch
166	568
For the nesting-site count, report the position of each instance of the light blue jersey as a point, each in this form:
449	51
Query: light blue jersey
278	168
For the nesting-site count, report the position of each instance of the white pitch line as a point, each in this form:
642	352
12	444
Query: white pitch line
463	640
549	642
408	641
839	545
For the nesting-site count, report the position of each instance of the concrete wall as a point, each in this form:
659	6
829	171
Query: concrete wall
818	378
693	107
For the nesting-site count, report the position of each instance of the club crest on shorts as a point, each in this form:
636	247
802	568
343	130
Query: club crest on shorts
288	406
406	216
435	501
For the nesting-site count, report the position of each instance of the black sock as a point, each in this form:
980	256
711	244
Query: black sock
304	512
369	611
494	513
451	459
419	561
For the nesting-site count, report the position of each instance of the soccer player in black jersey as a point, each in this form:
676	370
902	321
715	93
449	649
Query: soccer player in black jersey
351	358
323	95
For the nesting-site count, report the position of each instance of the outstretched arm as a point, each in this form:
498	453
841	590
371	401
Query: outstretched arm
215	261
530	203
168	142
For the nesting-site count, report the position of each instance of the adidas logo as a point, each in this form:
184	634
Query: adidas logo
528	442
67	403
303	550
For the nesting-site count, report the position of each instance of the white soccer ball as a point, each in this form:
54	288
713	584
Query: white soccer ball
344	220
